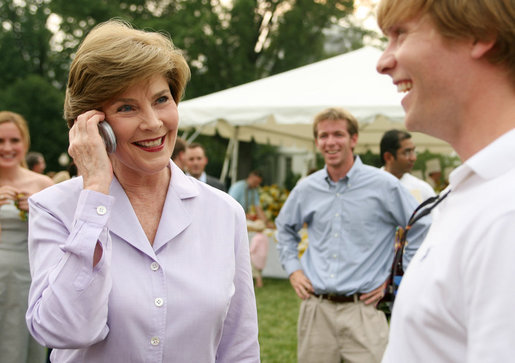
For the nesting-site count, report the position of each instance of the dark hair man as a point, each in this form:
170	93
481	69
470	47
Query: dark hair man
398	157
35	162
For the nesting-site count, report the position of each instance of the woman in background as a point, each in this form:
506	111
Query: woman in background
17	183
133	261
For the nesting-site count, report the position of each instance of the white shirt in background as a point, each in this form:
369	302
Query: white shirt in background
420	189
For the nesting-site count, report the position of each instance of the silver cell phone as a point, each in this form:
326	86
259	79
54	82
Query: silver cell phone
107	134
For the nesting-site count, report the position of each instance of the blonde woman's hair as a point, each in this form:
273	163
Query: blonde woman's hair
335	114
112	58
21	124
462	19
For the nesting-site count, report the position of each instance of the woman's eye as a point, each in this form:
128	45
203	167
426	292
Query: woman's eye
162	99
124	108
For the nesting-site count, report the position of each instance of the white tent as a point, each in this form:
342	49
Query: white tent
280	109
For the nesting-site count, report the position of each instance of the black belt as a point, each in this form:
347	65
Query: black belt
338	298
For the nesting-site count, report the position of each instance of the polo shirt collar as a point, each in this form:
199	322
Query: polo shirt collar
490	162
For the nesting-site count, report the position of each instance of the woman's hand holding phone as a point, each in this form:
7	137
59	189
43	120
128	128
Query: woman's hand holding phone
88	151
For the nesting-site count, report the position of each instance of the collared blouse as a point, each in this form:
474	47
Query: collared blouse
187	298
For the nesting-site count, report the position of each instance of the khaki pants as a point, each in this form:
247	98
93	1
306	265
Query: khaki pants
329	332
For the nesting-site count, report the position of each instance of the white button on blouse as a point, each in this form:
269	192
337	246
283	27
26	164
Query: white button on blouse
101	210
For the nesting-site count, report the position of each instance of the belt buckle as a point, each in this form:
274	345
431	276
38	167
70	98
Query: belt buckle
332	296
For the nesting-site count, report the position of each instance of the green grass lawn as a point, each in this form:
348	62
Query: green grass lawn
278	310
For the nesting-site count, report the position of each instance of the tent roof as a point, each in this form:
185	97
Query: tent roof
280	109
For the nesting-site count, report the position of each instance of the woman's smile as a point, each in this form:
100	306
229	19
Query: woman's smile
151	145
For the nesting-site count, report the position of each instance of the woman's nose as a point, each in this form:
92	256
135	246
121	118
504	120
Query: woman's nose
151	120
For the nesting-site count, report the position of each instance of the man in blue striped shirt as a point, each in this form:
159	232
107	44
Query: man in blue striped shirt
352	211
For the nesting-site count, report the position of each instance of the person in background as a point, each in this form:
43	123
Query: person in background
435	175
35	162
17	183
259	245
352	212
179	153
196	161
398	157
133	261
455	61
246	192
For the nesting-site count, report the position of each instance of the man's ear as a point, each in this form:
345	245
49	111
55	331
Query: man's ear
388	156
481	47
353	141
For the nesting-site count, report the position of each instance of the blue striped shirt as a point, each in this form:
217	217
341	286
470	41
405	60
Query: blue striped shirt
351	228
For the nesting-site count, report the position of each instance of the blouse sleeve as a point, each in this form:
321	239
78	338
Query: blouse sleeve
68	298
239	341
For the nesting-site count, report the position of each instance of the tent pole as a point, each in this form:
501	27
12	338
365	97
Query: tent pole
197	132
234	161
184	135
225	167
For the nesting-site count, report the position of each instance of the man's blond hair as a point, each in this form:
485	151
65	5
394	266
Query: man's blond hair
335	114
462	19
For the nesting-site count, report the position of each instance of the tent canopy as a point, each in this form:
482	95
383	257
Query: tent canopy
280	109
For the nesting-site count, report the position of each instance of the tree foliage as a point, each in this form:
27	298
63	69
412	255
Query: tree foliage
225	44
31	74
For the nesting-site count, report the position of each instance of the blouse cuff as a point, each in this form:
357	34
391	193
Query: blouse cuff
89	227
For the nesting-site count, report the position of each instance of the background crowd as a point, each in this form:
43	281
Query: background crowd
91	241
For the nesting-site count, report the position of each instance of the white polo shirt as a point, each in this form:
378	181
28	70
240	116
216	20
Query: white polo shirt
417	187
456	302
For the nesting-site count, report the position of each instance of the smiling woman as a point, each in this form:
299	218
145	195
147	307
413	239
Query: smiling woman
144	119
16	184
134	261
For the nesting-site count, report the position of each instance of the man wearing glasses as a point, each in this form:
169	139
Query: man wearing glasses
352	212
398	157
456	62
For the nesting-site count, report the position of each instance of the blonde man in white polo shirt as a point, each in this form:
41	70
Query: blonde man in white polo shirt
455	60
